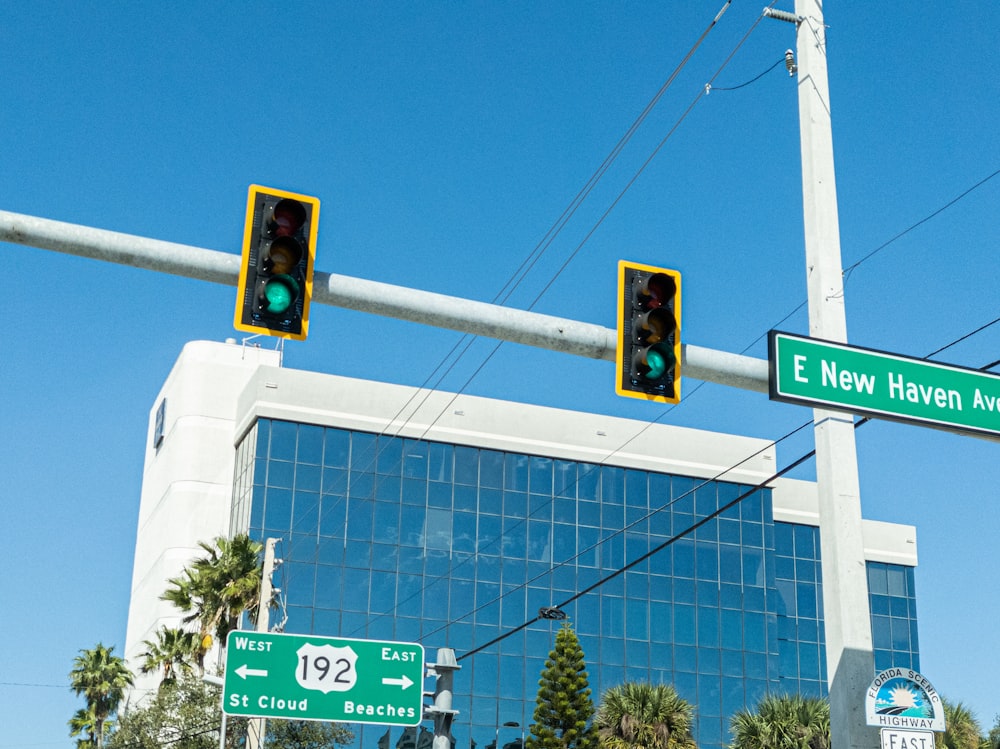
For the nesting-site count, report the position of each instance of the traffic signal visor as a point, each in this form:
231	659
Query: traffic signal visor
648	361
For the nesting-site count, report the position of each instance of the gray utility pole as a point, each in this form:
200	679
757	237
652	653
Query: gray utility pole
477	318
441	712
257	726
846	615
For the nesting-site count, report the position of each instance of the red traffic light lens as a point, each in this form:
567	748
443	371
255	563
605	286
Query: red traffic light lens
287	217
656	290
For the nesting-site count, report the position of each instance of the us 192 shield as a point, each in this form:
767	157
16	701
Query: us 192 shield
326	668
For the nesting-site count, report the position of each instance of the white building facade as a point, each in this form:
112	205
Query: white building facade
451	520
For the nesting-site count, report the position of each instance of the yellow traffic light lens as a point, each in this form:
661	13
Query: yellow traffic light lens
284	254
655	326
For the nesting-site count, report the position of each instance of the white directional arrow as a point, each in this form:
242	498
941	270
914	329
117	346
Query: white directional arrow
244	671
403	682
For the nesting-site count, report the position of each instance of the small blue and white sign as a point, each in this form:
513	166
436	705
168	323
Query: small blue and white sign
902	698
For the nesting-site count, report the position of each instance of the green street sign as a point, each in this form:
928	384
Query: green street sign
822	374
272	675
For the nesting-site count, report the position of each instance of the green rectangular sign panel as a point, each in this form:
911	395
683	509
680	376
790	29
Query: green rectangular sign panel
308	677
822	374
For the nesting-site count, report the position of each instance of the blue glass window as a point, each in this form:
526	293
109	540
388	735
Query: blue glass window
454	546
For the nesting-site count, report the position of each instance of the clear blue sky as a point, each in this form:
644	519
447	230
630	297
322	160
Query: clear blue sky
444	140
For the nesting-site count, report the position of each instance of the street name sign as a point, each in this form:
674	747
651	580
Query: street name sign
307	677
823	374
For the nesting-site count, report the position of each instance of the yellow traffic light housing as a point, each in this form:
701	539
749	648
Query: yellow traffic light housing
648	361
276	273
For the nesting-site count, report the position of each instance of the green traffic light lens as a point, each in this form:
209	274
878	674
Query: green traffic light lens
657	365
279	297
280	293
655	362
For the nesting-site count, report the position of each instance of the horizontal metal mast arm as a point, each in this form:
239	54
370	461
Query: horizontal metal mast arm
429	308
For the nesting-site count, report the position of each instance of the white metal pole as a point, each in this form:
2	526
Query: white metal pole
257	726
846	615
222	732
429	308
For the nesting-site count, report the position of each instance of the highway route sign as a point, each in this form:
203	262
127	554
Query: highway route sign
823	374
308	677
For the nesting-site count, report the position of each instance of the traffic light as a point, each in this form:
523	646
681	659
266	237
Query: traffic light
279	249
648	364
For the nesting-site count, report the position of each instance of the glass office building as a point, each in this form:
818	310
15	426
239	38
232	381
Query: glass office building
451	521
456	546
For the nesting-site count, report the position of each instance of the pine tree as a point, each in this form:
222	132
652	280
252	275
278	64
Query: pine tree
564	707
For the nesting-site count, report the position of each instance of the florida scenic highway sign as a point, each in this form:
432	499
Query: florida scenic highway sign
907	709
307	677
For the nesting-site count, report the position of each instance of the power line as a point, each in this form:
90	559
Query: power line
547	239
617	533
643	557
710	516
925	219
980	329
644	165
854	266
569	212
571	209
597	225
553	231
610	159
594	466
28	684
709	87
212	726
607	212
612	206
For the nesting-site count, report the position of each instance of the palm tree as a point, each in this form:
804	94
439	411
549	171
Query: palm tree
638	715
216	589
992	739
83	723
172	651
101	678
962	730
783	722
